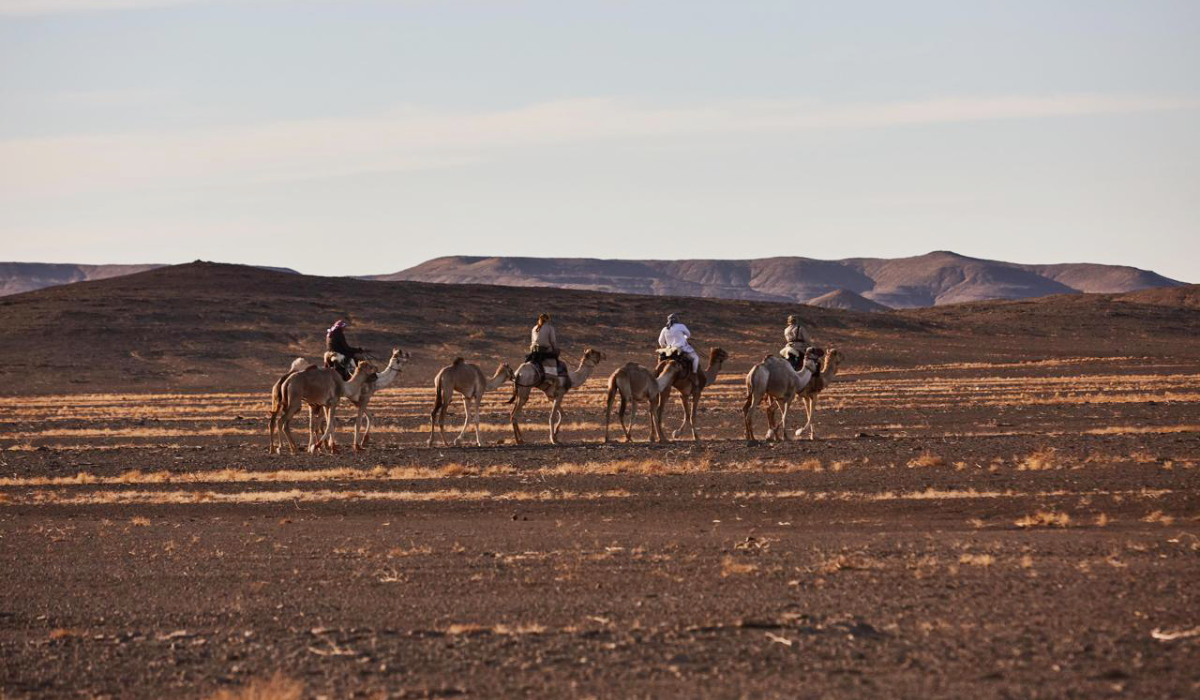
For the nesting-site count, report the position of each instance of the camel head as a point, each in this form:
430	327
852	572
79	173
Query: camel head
717	356
592	357
833	358
399	357
507	370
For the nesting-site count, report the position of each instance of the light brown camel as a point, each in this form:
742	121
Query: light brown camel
808	395
315	386
381	380
690	386
528	377
361	400
774	378
636	383
468	380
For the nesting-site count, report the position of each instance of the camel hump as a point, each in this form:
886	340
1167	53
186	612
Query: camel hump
457	361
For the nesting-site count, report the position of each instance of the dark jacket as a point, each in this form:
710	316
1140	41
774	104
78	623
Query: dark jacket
336	342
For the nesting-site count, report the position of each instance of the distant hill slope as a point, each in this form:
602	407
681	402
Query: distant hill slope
846	299
17	277
927	280
206	326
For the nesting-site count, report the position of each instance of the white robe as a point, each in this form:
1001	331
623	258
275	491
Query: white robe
677	336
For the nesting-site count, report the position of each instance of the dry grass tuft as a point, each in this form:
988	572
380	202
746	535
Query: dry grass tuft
277	687
927	459
1045	518
977	559
1102	520
808	465
1158	517
729	567
857	561
1041	460
139	521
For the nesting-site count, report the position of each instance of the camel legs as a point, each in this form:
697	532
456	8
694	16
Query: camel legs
366	427
612	393
357	422
752	400
466	420
683	402
556	418
809	408
695	406
657	404
286	427
328	438
274	421
781	429
478	439
515	416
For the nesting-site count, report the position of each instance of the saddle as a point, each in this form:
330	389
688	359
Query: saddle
674	354
547	364
798	359
344	365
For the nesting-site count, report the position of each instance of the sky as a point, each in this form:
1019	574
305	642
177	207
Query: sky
366	136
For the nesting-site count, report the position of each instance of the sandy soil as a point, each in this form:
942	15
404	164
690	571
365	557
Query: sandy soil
989	531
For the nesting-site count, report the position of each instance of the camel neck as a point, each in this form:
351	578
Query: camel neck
667	378
496	380
387	376
580	375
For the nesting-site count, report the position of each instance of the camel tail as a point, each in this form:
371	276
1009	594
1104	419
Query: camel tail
277	394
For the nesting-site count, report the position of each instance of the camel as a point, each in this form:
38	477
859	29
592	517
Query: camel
808	395
468	380
690	386
636	383
365	417
527	377
381	380
315	386
775	378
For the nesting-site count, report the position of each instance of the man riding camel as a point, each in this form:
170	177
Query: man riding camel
675	335
343	353
543	346
797	341
543	342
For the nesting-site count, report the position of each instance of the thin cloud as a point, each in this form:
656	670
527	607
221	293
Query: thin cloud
46	7
408	139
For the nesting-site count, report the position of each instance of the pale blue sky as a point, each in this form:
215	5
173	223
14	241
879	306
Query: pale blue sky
282	132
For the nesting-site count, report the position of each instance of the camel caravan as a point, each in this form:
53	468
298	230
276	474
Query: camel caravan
801	371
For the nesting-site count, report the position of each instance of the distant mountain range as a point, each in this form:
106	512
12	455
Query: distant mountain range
17	277
860	284
863	284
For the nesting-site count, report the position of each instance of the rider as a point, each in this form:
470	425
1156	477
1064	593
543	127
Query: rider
676	335
543	343
797	342
335	341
